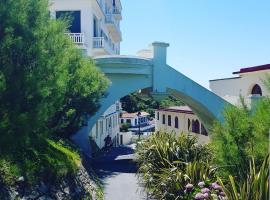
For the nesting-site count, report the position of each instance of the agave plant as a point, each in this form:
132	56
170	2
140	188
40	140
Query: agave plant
256	185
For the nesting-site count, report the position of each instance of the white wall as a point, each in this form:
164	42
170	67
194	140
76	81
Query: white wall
127	137
183	124
106	125
230	89
89	9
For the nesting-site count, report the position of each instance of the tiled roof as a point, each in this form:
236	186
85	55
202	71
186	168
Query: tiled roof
133	115
253	69
178	109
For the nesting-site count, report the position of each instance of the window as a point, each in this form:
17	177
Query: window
75	19
188	124
136	121
96	130
101	127
122	121
95	27
203	130
110	122
129	121
163	119
176	123
169	120
195	126
256	90
157	115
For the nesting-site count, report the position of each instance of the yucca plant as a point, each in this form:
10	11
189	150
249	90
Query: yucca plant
255	187
168	163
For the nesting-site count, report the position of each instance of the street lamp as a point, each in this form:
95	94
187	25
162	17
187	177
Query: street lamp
139	114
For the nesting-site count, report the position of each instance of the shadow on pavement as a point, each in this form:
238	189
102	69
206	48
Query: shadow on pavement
117	160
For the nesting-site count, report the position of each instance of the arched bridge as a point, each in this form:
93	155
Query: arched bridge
130	74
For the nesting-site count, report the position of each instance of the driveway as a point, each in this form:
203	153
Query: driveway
117	172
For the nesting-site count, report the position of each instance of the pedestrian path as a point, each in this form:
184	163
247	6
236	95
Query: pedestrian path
117	172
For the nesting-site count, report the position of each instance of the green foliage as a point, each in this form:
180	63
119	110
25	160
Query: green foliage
167	163
138	101
255	186
243	134
47	160
47	87
124	127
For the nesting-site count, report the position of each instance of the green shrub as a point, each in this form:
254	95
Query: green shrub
244	134
124	127
168	163
256	185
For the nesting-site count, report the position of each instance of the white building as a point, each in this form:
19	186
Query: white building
108	124
180	120
136	121
249	84
95	24
95	28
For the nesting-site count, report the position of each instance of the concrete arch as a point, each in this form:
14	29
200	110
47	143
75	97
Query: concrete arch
130	74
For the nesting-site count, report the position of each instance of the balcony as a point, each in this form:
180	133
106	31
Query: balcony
113	27
103	47
117	13
77	38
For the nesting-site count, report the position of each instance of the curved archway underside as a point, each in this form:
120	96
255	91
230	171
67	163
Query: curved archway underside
130	74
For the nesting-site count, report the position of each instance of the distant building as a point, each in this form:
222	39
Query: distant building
95	29
180	119
108	124
249	84
136	120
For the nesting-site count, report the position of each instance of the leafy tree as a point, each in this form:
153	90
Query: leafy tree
139	101
47	86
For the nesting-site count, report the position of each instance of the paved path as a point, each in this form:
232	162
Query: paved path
117	171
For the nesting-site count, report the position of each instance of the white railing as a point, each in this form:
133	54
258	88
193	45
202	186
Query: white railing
77	38
109	19
100	42
116	11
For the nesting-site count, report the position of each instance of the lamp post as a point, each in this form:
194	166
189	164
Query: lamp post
139	122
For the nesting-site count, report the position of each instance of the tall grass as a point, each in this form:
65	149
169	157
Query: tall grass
256	185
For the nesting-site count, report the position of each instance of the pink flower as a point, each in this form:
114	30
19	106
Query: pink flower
222	194
205	195
199	196
189	186
205	190
216	186
201	184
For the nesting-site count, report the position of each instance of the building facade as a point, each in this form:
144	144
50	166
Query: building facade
180	120
94	26
249	84
108	124
137	120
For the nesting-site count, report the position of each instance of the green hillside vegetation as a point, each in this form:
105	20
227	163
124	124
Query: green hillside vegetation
145	102
47	87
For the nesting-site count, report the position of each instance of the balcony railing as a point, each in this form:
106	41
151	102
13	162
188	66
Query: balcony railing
100	42
116	11
77	38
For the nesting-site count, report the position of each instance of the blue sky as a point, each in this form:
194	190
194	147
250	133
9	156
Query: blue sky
208	38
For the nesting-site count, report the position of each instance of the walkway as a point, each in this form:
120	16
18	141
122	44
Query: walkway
117	171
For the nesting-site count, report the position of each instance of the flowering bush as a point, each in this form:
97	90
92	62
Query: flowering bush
204	191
